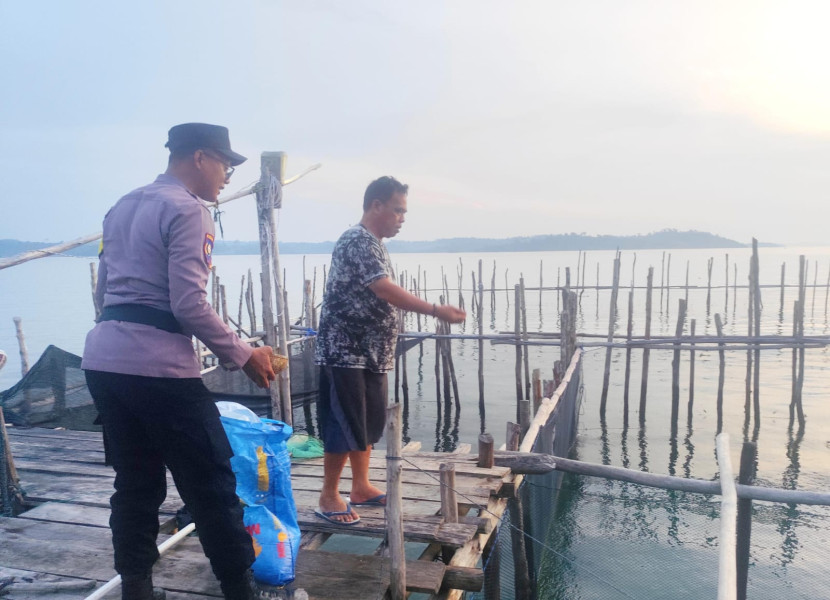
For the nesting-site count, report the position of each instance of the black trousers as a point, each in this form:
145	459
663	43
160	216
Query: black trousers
153	422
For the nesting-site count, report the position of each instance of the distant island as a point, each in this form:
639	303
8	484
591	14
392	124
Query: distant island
661	240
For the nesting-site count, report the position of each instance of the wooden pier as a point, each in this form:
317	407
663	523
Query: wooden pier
63	543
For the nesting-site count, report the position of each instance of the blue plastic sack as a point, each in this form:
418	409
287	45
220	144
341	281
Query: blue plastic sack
262	466
275	553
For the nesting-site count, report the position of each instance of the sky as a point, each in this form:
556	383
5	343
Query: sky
505	118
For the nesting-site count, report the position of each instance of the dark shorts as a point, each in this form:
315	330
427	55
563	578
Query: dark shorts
351	407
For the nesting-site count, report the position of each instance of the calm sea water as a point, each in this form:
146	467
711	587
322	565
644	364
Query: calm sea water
615	541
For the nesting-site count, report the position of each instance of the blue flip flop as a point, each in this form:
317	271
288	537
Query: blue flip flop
328	516
379	500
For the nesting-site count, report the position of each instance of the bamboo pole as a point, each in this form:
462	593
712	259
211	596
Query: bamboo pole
662	278
668	284
541	286
224	301
721	372
394	503
644	381
727	580
612	318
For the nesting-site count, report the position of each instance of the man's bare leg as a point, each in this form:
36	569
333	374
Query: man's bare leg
330	500
362	489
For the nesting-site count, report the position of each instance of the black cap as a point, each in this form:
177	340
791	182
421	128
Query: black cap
195	136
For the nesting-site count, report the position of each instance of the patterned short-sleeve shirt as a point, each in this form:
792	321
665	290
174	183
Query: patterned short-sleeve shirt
357	329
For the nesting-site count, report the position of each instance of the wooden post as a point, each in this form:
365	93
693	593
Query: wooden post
644	381
273	167
394	503
746	476
750	316
675	367
783	271
826	294
537	389
686	297
21	343
721	371
224	302
265	210
524	415
709	266
485	451
612	318
449	502
691	372
239	313
517	332
815	284
514	436
525	348
629	332
662	279
480	341
668	284
726	285
756	391
541	286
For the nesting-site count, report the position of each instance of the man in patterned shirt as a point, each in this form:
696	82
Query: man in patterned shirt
356	347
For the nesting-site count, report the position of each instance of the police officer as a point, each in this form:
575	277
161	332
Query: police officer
143	372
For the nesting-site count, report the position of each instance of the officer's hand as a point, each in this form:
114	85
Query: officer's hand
258	368
451	314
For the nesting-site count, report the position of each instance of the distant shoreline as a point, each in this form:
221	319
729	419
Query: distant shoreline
668	239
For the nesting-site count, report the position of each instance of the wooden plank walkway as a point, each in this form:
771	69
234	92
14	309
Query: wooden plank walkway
64	542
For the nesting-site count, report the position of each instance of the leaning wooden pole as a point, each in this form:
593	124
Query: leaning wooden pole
394	503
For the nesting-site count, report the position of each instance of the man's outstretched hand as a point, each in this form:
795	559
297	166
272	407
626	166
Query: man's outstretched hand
258	368
451	314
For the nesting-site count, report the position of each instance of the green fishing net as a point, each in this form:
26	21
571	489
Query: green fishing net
302	445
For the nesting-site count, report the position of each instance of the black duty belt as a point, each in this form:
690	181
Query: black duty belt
145	315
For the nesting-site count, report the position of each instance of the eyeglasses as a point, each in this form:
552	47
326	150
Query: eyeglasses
228	168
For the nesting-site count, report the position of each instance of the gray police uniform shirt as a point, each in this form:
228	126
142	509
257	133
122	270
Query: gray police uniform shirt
357	329
157	251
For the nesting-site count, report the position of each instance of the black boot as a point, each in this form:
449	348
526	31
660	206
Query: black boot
140	588
247	588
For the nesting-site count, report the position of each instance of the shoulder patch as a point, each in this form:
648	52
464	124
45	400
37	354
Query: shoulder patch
207	248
